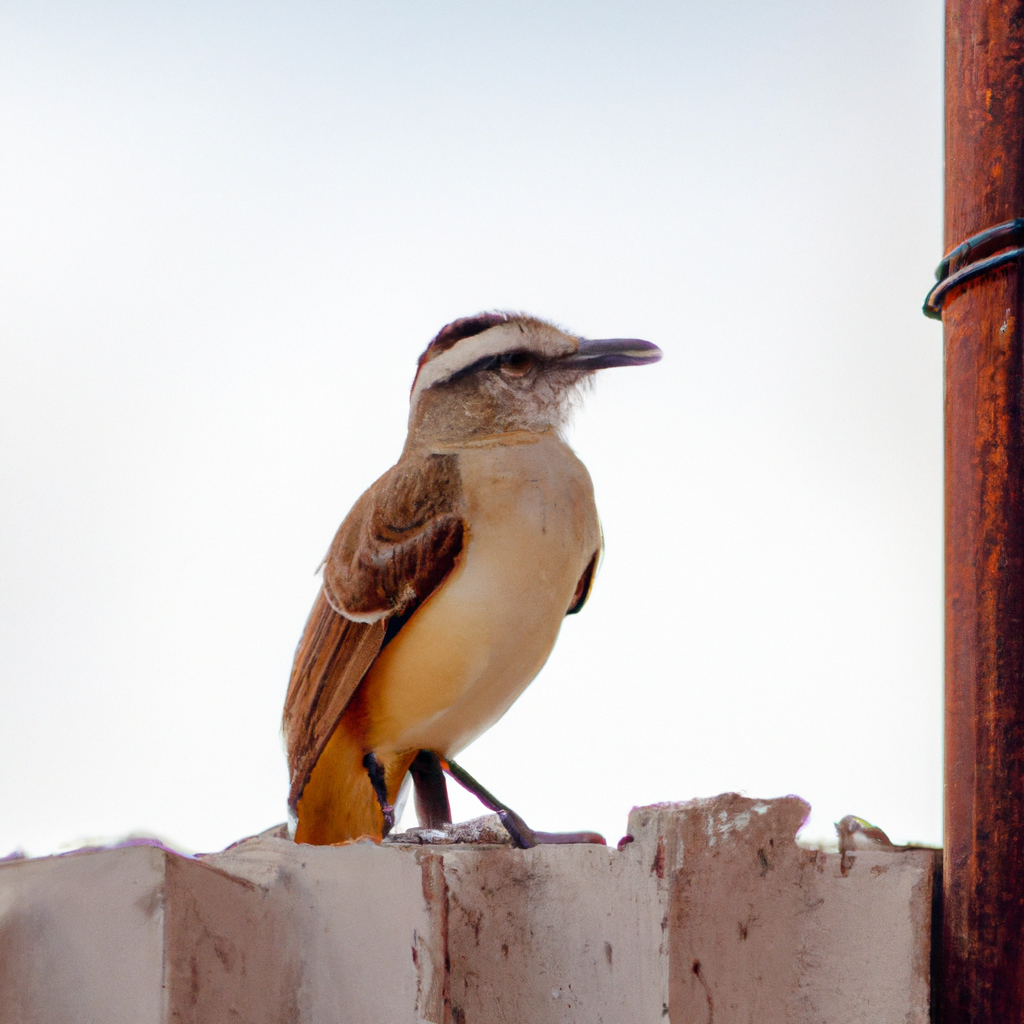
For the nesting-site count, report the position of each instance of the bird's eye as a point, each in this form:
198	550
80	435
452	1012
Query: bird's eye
517	364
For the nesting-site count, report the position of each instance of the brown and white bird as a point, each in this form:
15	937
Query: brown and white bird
446	585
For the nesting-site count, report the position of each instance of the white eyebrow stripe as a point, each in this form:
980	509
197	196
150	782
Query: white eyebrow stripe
492	342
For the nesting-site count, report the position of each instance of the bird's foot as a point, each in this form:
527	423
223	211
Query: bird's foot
525	837
487	830
522	835
557	838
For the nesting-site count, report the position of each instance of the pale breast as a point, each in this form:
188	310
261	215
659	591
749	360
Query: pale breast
476	643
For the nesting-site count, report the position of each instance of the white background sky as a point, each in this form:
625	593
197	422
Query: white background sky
228	230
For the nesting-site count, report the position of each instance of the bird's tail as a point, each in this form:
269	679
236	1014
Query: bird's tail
338	804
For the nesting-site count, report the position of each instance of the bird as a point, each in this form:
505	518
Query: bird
444	588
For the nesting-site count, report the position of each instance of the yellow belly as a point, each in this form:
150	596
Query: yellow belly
474	645
469	651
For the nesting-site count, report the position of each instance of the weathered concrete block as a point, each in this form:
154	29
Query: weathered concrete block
293	933
761	929
81	938
362	928
228	953
138	934
712	913
554	934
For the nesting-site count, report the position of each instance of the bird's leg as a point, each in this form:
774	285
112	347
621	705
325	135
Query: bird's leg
522	835
432	808
376	772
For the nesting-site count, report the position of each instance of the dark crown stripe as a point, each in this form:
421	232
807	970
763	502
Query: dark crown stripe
464	327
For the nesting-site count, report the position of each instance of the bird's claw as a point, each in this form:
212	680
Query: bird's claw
522	835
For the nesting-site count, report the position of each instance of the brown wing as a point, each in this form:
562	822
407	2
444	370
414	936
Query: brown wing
332	657
400	540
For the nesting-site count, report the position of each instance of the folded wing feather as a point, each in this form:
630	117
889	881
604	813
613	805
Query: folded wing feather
399	542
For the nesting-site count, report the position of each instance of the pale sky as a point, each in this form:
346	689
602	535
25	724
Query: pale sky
227	231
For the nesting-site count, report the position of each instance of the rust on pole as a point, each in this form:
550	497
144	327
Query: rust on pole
983	875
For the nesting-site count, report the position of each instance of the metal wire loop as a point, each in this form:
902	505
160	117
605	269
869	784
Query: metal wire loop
977	255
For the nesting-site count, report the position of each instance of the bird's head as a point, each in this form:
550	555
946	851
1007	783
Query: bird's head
500	372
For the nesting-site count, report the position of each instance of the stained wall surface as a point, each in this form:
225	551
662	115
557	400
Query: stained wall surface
711	913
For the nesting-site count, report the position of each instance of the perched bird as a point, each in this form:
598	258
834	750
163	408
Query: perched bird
446	585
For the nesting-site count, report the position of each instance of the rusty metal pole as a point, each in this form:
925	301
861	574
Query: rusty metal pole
983	877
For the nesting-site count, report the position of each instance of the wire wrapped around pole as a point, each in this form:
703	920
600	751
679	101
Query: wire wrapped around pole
955	270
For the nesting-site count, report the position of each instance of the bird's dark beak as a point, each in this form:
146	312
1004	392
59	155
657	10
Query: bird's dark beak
600	353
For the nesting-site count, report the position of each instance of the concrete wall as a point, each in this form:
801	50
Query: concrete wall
712	914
